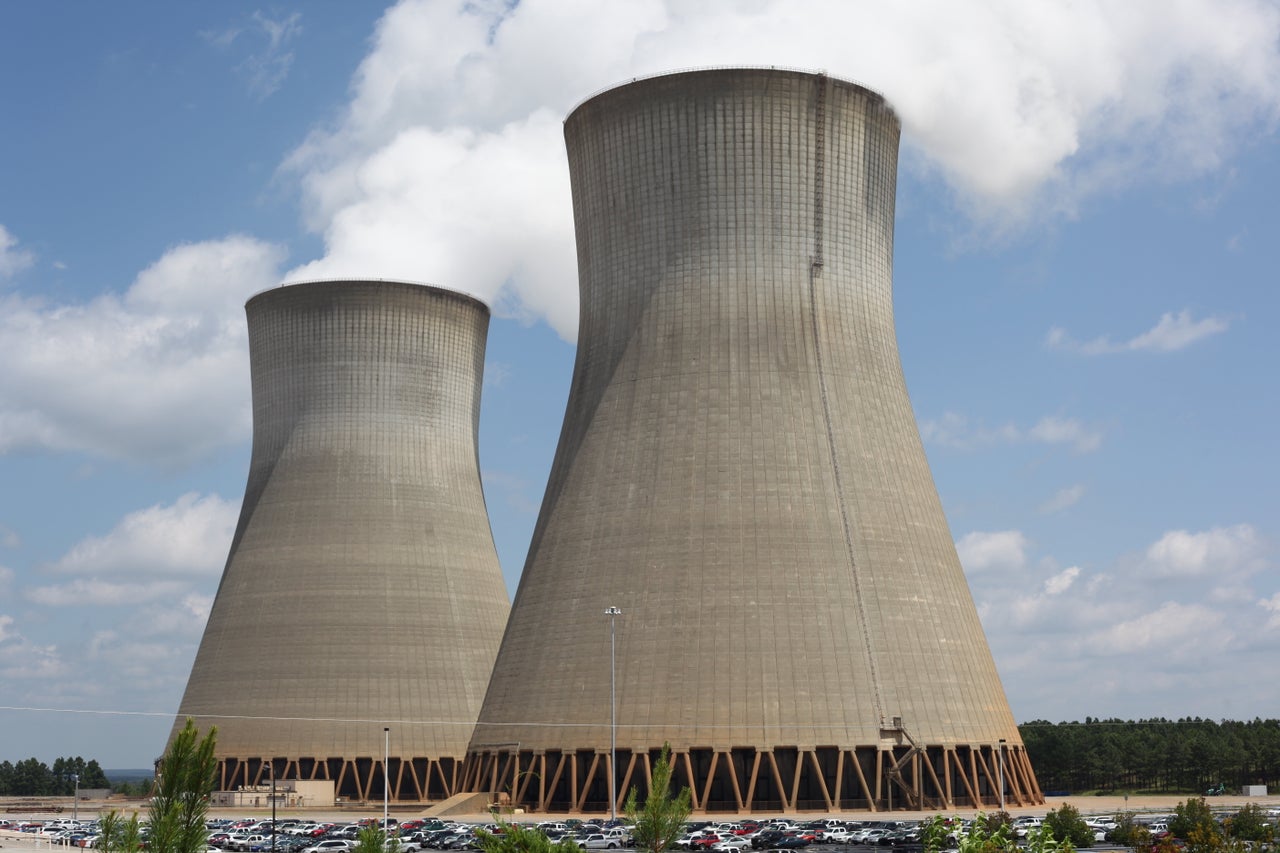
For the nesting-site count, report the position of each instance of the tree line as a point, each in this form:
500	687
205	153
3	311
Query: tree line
33	778
1188	755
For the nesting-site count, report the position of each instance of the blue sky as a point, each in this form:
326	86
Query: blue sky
1086	255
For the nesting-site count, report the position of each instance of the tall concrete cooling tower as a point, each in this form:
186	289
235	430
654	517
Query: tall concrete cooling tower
362	591
740	473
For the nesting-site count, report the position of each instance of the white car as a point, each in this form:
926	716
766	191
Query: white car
330	845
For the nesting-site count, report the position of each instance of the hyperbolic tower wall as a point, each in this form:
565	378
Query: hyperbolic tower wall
362	588
740	473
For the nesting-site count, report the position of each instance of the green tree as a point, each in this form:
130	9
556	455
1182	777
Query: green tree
374	839
117	835
93	776
1191	815
513	838
1250	824
1129	833
1066	824
657	824
1040	839
184	781
988	833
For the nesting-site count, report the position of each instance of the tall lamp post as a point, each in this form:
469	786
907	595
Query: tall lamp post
386	784
613	613
1002	742
273	805
75	798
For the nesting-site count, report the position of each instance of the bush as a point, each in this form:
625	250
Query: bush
1129	832
522	839
1250	824
1194	817
1066	824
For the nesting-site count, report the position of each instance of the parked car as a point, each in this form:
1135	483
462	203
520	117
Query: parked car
791	842
329	845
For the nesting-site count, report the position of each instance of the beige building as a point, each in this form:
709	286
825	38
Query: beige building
362	603
740	473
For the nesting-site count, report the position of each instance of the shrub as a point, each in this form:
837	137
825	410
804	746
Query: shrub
1066	824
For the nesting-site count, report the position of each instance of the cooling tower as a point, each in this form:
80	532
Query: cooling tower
362	590
740	473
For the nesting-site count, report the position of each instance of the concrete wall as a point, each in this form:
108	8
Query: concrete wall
362	586
739	469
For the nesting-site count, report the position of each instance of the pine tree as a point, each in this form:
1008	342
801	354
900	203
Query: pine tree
656	826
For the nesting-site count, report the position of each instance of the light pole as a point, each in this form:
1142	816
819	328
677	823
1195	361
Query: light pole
1002	742
386	783
613	613
75	799
273	805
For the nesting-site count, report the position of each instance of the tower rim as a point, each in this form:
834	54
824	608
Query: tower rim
457	292
716	69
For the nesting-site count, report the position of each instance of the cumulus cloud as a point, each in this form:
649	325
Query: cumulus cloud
1173	628
159	373
95	592
267	64
12	259
1025	109
1217	552
957	431
1004	549
190	536
1063	499
1272	606
1173	332
482	212
1062	581
1055	430
21	658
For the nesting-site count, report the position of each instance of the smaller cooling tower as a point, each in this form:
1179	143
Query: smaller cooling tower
362	590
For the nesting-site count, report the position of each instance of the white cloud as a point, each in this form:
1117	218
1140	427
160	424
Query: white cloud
1025	109
1174	629
1272	606
1063	499
1214	553
955	430
21	658
1173	332
95	592
482	212
158	374
266	68
191	536
1004	549
12	259
9	537
1055	430
1062	581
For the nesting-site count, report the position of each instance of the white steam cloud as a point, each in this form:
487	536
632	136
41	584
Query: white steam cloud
448	164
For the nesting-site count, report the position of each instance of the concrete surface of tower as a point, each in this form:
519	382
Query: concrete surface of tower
362	590
740	472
